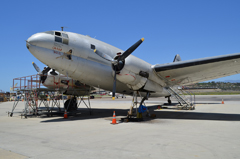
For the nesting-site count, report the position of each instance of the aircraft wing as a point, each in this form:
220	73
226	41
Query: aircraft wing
198	70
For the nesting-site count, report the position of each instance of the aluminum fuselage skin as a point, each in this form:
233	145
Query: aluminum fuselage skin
89	68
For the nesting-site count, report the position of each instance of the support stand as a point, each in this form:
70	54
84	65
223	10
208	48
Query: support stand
131	114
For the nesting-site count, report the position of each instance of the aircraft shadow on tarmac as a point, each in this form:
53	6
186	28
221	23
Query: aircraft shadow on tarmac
83	114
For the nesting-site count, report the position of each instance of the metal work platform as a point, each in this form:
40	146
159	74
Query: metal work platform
41	97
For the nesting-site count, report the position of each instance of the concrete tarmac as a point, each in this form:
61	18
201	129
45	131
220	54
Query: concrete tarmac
211	131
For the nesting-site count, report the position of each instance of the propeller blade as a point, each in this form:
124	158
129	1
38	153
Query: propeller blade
36	68
103	55
114	85
130	50
46	70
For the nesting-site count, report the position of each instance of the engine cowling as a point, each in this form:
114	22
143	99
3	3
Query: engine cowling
132	80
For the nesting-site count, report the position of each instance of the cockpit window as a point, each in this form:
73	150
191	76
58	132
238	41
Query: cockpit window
61	37
64	35
58	39
65	38
57	33
65	41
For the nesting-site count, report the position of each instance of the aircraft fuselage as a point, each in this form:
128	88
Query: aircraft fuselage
83	64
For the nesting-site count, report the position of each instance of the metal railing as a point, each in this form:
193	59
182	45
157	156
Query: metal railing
180	95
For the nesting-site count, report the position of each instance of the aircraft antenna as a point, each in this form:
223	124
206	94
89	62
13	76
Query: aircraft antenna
63	27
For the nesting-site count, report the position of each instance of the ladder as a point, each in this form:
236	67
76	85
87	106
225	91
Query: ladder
184	101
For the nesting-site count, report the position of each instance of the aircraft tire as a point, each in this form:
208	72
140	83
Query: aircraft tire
72	106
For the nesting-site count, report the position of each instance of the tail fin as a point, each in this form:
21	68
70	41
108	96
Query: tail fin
177	58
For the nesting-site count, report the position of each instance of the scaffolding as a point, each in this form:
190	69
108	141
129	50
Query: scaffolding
39	97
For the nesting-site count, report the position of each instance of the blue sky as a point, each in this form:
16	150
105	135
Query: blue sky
191	28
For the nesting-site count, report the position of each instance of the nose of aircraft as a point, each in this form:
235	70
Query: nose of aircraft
35	39
41	40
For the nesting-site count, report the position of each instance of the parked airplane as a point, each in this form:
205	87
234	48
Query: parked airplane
117	95
99	64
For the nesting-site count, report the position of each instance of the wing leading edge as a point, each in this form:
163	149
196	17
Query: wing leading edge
199	70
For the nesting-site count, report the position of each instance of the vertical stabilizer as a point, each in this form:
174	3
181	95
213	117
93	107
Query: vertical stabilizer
177	58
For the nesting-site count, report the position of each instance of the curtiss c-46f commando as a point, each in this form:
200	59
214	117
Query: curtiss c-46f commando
99	64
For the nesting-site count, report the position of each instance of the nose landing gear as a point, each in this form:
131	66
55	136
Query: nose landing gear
71	104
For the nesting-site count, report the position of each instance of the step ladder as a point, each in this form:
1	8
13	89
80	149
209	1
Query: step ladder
181	96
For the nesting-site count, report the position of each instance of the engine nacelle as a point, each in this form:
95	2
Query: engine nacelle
132	80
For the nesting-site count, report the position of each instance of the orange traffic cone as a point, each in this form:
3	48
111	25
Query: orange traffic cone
65	114
222	101
114	118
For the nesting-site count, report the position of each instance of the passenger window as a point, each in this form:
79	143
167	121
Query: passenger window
93	47
58	39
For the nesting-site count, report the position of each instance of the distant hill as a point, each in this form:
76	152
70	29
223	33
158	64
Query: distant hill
232	81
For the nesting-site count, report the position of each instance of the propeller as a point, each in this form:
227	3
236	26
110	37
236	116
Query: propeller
118	61
43	74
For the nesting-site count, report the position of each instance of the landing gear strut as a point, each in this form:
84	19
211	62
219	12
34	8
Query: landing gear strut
169	100
144	98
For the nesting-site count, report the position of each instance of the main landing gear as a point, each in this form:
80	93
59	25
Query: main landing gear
169	100
144	98
135	104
